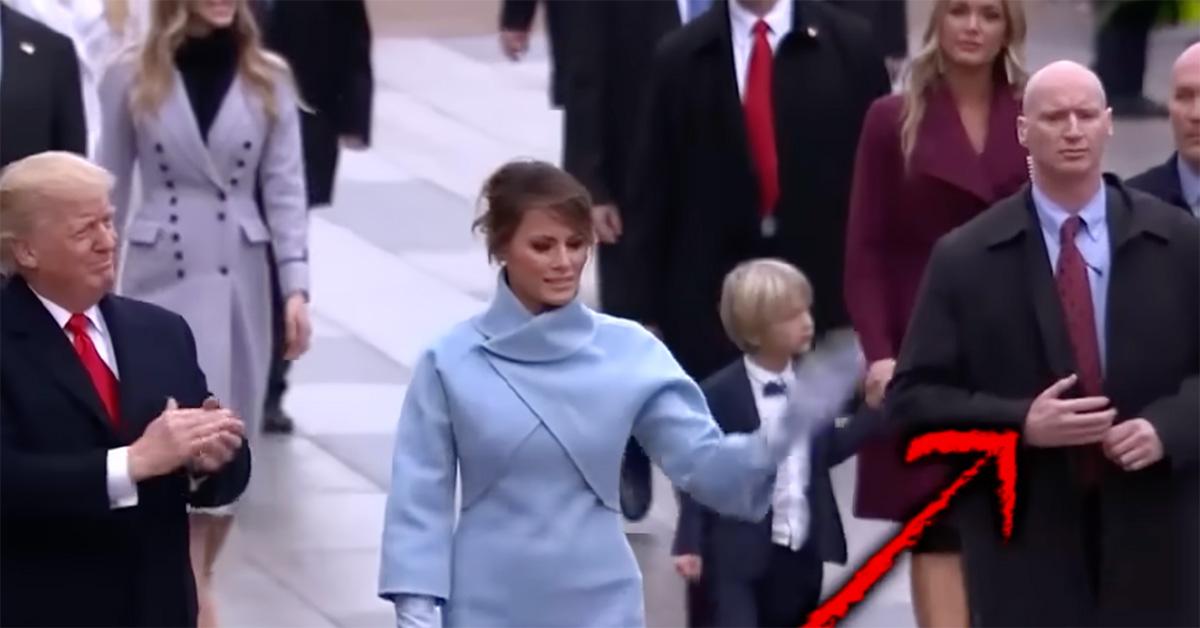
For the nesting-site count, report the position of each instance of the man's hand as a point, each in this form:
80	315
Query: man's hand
1055	422
297	327
1133	444
878	375
689	566
606	220
175	437
217	450
514	44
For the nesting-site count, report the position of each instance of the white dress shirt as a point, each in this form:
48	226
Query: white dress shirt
122	492
789	524
741	23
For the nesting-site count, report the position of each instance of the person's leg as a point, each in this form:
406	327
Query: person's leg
939	588
275	420
207	534
1121	48
733	602
791	589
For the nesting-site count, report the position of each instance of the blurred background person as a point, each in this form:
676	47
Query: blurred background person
41	104
1122	33
930	159
739	156
102	426
1177	181
205	112
332	66
889	22
99	30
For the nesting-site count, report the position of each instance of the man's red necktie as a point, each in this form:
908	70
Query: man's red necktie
760	120
1075	294
102	377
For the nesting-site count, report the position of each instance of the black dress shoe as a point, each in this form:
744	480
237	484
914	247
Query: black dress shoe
276	421
1137	107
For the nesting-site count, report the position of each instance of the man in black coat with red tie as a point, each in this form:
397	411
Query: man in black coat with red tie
1070	313
107	430
746	150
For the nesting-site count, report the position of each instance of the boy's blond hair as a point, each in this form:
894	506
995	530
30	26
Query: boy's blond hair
757	294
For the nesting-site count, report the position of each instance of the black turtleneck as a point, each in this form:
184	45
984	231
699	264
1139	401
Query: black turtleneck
208	65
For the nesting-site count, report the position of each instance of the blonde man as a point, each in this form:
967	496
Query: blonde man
768	573
108	432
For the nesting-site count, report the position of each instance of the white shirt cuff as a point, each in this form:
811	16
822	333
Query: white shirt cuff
417	611
122	492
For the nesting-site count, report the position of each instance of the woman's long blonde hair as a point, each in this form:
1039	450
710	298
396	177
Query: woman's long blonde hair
926	67
168	30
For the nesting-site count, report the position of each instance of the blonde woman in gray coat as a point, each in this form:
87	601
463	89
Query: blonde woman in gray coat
208	116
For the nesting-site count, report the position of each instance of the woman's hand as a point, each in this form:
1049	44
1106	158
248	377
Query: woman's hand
297	327
878	375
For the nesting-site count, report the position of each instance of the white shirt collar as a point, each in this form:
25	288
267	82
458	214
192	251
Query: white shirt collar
62	315
761	376
742	21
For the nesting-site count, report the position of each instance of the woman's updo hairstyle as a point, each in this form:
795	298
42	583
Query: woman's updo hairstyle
520	186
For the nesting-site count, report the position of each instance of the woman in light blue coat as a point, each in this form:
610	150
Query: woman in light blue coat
531	404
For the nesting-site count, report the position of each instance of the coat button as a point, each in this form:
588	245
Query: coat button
174	237
233	182
247	145
241	163
170	185
179	255
224	270
163	167
221	216
179	273
221	195
158	148
174	218
174	200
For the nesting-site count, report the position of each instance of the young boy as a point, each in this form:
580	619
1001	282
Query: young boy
767	573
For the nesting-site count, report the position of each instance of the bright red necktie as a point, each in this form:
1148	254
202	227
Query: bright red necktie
760	120
102	377
1075	294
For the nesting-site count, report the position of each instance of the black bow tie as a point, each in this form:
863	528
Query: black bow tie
772	389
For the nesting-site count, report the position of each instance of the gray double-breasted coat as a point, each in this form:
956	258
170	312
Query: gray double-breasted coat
197	243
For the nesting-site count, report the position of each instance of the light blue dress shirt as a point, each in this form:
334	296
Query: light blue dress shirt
1189	184
1093	243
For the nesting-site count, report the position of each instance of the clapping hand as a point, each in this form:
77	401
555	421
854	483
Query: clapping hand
218	449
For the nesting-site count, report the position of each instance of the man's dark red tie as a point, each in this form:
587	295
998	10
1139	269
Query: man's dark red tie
1075	294
760	120
102	377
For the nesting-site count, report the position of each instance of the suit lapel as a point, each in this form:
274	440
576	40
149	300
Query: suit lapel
716	63
131	368
48	347
944	151
179	121
741	393
1044	291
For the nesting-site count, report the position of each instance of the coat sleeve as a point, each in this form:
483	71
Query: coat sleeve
285	201
586	91
419	520
878	170
358	80
116	150
731	473
928	390
70	122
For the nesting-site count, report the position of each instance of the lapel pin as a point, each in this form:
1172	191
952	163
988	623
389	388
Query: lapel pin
27	48
812	32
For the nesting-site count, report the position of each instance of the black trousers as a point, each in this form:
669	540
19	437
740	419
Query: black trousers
1121	47
781	597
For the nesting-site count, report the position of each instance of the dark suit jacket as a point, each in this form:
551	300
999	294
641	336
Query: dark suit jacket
41	107
897	212
66	558
742	550
603	100
987	336
693	213
1162	181
563	26
888	20
328	44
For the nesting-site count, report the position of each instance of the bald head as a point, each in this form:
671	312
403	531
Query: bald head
1058	76
1184	105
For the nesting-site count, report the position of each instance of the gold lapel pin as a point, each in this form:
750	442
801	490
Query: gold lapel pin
812	32
27	48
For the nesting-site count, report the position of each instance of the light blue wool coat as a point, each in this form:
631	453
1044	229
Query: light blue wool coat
535	411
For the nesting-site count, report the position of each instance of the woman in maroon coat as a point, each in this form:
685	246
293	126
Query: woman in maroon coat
929	160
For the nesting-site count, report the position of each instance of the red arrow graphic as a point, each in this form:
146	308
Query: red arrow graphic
998	446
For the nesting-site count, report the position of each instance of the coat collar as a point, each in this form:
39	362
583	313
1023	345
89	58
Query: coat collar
512	332
945	152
